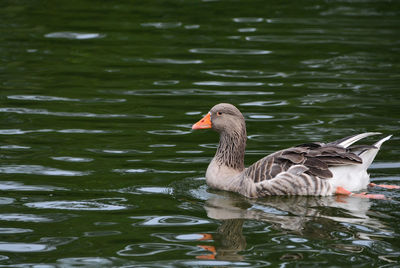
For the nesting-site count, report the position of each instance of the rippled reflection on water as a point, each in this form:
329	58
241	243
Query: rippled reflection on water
98	163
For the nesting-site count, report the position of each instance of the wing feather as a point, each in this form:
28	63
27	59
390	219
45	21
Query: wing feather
316	158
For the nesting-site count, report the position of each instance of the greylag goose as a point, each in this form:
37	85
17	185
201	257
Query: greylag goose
315	168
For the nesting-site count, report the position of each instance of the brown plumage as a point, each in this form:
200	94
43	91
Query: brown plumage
316	157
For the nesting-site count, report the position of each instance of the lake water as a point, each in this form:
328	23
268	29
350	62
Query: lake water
99	166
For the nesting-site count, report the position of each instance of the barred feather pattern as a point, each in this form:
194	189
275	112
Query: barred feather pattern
294	181
287	183
316	157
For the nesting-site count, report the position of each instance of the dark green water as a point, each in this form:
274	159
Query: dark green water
99	166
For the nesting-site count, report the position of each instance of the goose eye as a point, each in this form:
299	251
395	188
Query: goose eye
219	113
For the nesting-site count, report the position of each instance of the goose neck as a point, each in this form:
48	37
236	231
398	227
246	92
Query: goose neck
231	149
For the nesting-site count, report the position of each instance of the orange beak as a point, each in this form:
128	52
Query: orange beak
205	122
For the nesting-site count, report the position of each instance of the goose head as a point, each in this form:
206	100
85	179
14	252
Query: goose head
229	122
223	118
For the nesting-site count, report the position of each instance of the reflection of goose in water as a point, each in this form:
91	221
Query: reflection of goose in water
291	213
294	214
229	240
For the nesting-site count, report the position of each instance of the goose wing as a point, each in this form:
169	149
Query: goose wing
316	158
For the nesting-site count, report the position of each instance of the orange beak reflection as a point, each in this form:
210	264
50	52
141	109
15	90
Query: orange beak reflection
205	122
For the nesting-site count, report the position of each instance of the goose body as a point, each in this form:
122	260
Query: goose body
316	168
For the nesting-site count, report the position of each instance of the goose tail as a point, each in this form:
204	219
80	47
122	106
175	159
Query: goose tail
346	142
356	177
369	155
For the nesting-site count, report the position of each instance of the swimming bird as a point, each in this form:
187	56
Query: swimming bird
315	168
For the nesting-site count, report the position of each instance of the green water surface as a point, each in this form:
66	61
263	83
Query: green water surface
98	163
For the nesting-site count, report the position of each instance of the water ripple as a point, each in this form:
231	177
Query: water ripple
275	117
265	103
6	200
24	217
72	159
101	233
53	98
169	61
193	113
161	145
17	186
229	51
311	99
148	249
44	244
222	263
170	237
344	62
228	84
303	39
168	132
24	247
115	151
247	30
93	204
166	82
162	25
190	152
193	26
39	170
176	220
309	125
86	262
312	38
85	131
209	145
14	147
67	114
190	92
260	117
351	11
2	258
185	160
348	248
248	20
245	73
21	132
150	170
14	231
72	35
147	190
39	98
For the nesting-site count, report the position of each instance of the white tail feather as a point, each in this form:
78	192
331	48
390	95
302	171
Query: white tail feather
369	155
356	177
379	143
350	141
